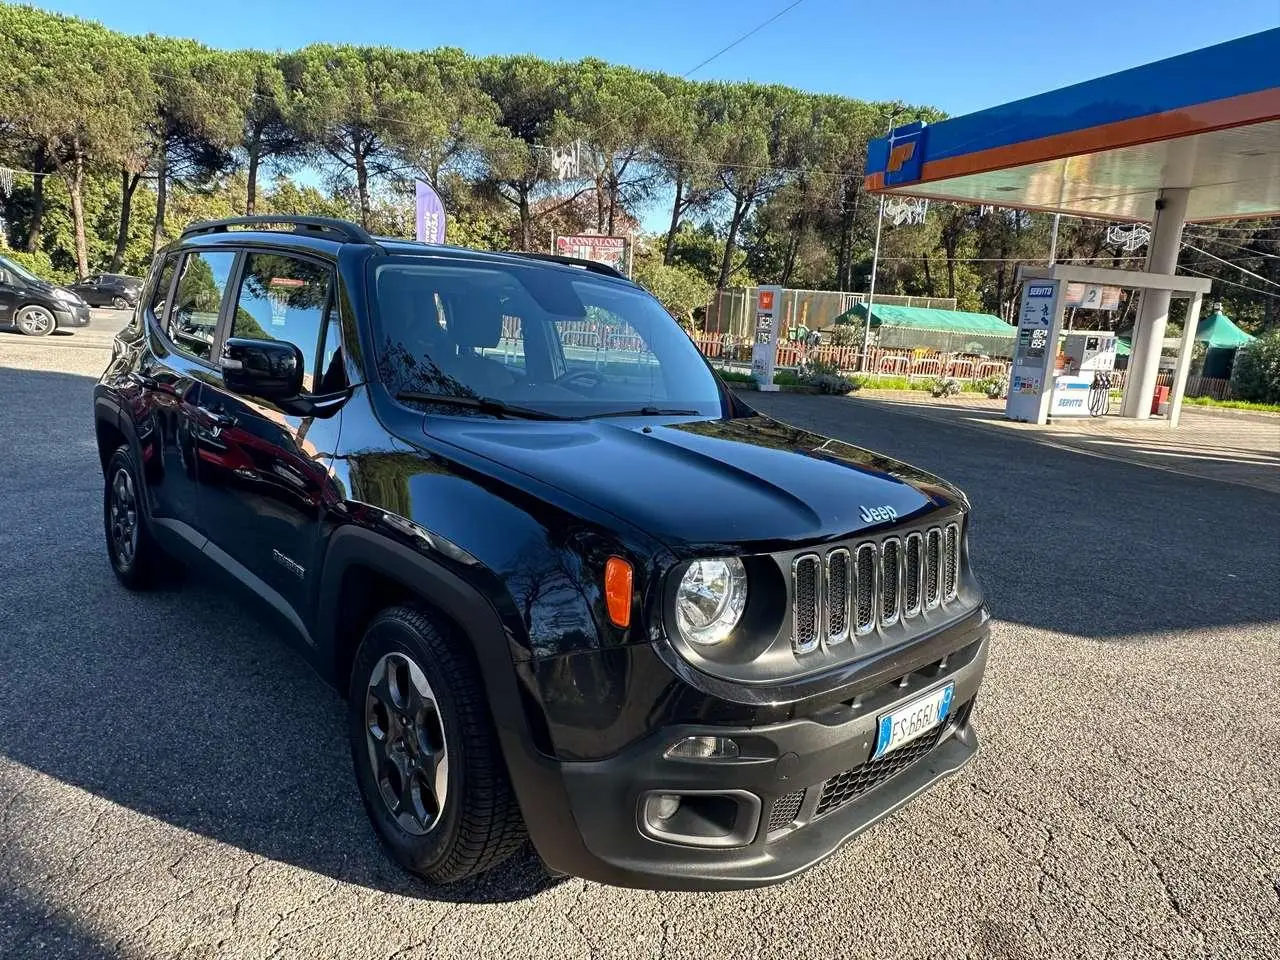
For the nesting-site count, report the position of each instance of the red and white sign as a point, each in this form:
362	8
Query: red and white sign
610	250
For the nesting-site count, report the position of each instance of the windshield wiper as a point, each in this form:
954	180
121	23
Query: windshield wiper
644	412
483	404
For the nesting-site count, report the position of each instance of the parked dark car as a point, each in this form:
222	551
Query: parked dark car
34	306
573	587
109	290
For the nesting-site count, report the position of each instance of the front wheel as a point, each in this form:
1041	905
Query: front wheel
426	755
35	321
120	303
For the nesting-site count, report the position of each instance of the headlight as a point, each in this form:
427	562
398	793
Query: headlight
710	600
66	296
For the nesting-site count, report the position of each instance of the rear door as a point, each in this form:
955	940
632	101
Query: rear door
166	390
264	499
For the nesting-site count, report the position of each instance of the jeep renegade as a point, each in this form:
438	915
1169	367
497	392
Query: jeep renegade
572	587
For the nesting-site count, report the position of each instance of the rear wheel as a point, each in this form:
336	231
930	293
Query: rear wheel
35	321
426	756
120	303
135	556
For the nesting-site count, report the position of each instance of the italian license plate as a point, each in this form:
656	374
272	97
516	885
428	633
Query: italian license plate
913	720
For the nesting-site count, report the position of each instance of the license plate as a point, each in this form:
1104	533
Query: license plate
913	720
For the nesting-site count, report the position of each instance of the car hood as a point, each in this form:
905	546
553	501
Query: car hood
736	481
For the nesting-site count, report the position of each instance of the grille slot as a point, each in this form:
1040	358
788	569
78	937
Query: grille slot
865	588
951	562
846	787
805	613
932	568
913	551
839	574
890	586
785	809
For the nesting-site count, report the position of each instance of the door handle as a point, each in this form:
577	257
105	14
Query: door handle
216	418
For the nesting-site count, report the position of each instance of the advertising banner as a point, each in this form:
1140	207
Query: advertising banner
429	214
610	250
764	352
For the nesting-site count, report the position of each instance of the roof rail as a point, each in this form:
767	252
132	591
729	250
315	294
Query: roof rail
595	266
324	226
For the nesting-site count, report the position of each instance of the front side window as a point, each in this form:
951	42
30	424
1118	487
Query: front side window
285	298
193	321
563	342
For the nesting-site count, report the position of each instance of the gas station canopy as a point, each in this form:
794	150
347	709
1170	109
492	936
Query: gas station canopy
1208	121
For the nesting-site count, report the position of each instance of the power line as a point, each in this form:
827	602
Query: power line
1205	226
1256	276
1248	250
1245	286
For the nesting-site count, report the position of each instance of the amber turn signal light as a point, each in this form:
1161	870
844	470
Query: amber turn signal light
617	591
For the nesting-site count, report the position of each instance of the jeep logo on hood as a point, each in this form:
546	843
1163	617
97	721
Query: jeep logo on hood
878	514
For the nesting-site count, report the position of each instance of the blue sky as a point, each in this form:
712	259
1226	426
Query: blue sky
959	55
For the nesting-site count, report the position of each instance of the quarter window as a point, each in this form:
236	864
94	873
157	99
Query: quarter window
163	284
193	321
285	298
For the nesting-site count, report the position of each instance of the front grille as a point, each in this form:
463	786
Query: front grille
838	575
866	587
853	590
951	562
846	787
805	615
911	574
785	809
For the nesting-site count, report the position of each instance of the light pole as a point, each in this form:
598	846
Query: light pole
875	255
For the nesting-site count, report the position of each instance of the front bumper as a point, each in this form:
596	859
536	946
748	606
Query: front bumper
801	789
69	315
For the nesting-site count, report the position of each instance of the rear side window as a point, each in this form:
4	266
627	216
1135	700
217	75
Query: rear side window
160	295
193	321
284	298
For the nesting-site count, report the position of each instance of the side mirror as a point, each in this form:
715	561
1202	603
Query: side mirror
270	369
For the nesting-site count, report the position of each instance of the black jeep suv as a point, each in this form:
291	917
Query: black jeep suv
572	587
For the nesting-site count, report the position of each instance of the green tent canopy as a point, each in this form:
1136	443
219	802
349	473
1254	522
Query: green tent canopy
947	330
1219	332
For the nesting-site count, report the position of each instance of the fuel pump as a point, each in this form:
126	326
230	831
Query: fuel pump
1082	381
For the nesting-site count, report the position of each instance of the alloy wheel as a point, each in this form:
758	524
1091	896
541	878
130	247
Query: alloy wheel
34	321
120	303
404	733
124	517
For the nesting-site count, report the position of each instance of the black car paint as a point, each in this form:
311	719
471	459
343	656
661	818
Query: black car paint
102	290
17	291
504	526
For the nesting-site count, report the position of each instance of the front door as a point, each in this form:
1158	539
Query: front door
8	297
264	499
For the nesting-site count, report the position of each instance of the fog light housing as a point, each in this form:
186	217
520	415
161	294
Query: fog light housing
704	748
663	806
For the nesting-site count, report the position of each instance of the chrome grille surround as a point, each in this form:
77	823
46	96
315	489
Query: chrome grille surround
951	562
890	581
850	592
839	574
806	603
912	575
864	607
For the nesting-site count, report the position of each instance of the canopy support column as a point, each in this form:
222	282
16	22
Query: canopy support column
1189	324
1148	334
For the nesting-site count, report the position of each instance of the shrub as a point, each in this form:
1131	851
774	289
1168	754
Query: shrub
39	264
945	387
832	383
735	376
994	387
1256	373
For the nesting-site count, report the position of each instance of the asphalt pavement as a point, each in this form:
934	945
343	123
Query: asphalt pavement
174	780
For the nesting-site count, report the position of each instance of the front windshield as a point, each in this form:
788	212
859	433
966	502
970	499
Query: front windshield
565	343
20	270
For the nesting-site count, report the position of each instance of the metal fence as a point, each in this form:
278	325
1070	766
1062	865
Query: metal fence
732	310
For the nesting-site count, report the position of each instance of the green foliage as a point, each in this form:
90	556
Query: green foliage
736	376
1255	375
39	264
1233	404
944	387
680	288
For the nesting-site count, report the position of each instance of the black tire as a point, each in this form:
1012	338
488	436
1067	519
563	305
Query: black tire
478	824
34	320
120	303
138	566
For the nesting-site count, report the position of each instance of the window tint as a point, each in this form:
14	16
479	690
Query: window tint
161	293
283	298
193	321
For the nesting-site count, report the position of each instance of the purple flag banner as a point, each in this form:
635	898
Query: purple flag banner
430	214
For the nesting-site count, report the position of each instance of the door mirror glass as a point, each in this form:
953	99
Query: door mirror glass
269	369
